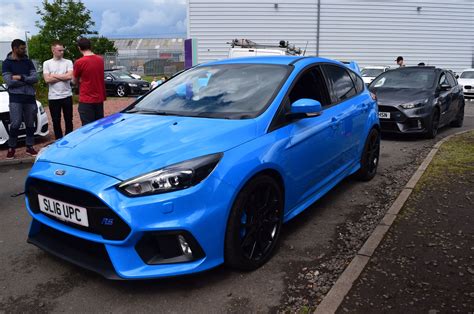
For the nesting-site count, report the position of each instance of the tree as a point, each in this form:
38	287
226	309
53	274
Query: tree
63	20
101	45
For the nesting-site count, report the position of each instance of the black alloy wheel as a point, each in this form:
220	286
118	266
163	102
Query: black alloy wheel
121	91
370	157
459	120
254	224
434	124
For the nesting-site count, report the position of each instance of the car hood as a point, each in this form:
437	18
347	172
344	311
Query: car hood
5	100
127	145
463	82
397	96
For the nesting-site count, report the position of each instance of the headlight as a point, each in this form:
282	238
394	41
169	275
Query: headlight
172	178
414	104
132	85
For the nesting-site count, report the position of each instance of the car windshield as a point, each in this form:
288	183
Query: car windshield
371	72
405	78
229	91
467	75
123	75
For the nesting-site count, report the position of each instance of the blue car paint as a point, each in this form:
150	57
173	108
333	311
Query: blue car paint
310	156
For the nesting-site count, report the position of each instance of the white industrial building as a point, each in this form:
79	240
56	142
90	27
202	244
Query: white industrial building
373	32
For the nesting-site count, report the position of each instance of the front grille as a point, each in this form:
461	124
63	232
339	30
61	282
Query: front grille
86	254
97	211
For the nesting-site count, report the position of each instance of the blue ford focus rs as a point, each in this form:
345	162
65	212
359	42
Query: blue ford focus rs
204	169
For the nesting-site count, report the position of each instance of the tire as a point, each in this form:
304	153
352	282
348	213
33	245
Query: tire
254	224
121	91
458	121
434	124
370	157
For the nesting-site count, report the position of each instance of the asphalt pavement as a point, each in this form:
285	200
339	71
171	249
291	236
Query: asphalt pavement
316	247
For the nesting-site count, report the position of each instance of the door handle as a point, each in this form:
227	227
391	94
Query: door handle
335	122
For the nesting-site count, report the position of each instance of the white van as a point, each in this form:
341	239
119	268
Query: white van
248	48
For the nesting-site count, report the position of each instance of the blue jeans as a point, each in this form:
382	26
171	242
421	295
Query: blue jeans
22	112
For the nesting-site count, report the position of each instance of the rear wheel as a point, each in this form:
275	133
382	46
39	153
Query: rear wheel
370	157
458	121
254	224
121	91
434	124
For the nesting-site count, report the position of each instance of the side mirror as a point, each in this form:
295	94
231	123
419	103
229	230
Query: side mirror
304	108
457	76
445	87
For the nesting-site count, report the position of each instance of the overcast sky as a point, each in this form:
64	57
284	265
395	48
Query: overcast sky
113	18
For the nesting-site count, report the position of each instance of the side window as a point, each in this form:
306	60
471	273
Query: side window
340	81
452	81
310	85
443	79
359	83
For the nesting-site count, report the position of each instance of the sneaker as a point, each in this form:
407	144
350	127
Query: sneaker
11	153
31	151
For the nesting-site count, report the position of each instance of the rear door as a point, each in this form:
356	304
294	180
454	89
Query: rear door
349	108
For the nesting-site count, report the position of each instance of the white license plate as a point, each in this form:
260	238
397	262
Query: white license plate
384	115
64	211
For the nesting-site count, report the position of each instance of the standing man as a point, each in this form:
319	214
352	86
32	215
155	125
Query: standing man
89	74
19	74
57	72
400	61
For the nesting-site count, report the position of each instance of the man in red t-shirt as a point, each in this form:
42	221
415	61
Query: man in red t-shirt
89	74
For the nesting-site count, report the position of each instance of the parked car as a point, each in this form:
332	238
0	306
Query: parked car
466	80
204	169
41	122
418	100
369	73
122	84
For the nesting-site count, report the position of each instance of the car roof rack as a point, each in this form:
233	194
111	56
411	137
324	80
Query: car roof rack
246	43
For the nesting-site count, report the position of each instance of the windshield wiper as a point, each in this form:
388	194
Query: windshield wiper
156	112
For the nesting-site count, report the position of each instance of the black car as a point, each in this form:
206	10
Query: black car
418	100
121	84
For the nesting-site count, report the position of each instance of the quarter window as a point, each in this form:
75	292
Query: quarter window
341	83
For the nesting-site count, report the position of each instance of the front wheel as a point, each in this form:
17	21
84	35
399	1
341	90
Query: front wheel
370	157
121	91
434	124
254	224
458	121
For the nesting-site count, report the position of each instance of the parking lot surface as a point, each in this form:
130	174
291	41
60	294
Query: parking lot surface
315	248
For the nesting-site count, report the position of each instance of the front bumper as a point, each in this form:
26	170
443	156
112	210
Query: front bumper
468	91
139	90
41	124
198	213
405	121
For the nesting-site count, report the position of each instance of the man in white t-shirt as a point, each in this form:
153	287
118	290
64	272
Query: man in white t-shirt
57	72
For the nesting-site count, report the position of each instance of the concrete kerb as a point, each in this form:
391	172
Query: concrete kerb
17	161
343	285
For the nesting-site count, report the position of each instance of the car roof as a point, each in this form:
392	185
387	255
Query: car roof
281	60
376	67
